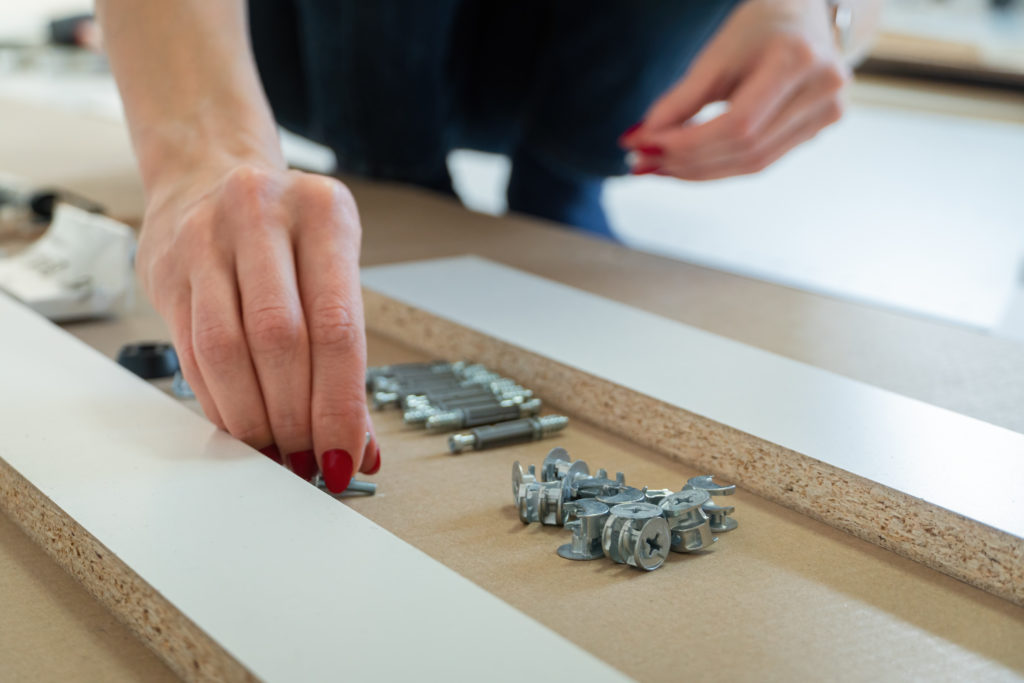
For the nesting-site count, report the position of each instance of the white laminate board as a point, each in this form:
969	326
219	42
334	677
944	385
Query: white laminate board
947	459
912	210
291	582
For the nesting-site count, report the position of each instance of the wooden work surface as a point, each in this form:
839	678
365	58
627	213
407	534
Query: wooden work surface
782	597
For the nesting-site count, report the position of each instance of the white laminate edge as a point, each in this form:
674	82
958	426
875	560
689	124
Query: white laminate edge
292	583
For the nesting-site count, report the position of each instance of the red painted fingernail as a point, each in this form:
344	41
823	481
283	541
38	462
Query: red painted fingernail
644	170
376	468
338	468
632	129
272	453
651	151
303	464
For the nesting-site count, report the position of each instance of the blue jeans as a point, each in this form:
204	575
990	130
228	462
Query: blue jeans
393	85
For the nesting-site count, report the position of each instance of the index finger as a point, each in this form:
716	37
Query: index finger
327	253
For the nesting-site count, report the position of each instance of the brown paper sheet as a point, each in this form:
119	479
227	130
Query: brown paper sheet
782	597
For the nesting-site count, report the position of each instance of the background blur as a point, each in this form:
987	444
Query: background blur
914	201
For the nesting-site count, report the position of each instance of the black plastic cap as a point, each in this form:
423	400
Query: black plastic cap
149	360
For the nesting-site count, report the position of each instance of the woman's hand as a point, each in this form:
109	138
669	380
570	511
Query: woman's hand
256	271
776	64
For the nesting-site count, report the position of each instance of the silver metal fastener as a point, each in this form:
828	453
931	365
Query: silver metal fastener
506	433
519	478
636	534
655	496
354	486
599	485
460	418
719	517
544	502
558	465
587	525
625	494
687	522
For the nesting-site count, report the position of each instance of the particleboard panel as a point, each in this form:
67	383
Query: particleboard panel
190	537
793	598
891	470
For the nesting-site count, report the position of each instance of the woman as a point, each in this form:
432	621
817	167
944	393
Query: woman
255	266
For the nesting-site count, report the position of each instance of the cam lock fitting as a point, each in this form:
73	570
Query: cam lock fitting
600	485
655	496
719	518
558	465
548	502
636	534
544	502
587	527
519	479
687	522
625	494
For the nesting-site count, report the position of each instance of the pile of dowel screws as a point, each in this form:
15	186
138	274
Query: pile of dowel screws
636	527
444	396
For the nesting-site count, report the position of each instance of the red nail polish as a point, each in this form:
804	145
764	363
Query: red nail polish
632	129
303	464
644	170
338	467
376	468
272	453
651	151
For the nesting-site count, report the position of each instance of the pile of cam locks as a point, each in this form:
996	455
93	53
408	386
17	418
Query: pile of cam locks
628	525
442	396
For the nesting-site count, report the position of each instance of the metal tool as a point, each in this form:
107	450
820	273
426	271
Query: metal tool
636	534
475	416
718	515
587	525
506	433
687	522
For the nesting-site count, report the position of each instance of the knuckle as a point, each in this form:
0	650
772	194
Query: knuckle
332	325
216	345
743	133
290	427
253	433
320	195
797	51
247	185
274	329
338	411
323	192
833	79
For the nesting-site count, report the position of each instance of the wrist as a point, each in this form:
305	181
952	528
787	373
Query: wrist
202	149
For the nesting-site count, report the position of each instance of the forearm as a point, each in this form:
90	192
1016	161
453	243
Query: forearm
189	85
